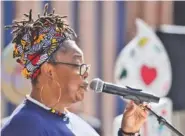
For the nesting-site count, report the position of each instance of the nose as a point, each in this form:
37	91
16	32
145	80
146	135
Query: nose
86	74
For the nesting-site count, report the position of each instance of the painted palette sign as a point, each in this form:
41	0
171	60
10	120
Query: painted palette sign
144	64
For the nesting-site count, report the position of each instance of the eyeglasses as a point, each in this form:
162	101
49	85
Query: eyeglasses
83	67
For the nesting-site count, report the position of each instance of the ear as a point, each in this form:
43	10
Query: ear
47	70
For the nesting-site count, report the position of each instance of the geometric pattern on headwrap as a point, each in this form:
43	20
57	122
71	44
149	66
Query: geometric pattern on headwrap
35	41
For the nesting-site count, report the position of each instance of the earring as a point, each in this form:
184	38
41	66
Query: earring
58	100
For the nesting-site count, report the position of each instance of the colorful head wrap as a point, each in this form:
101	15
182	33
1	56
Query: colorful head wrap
36	41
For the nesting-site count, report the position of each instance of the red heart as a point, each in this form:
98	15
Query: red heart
148	74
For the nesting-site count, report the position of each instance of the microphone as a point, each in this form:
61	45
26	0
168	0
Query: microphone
127	92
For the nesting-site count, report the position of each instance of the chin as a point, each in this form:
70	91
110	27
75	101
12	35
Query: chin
79	98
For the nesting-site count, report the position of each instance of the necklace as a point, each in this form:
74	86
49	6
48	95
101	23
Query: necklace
63	115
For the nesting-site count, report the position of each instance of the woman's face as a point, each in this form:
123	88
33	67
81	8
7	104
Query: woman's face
73	84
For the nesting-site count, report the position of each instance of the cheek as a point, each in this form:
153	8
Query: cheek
73	86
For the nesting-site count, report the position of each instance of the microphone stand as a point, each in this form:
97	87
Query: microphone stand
162	121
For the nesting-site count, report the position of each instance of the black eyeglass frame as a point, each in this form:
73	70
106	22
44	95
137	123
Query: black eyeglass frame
75	65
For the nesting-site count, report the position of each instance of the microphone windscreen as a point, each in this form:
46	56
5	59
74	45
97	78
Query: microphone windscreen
97	85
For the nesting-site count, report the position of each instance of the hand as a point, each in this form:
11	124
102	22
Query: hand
133	118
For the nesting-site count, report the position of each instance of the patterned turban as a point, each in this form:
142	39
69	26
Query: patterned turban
35	41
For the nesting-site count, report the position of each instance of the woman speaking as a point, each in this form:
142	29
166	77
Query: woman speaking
54	63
